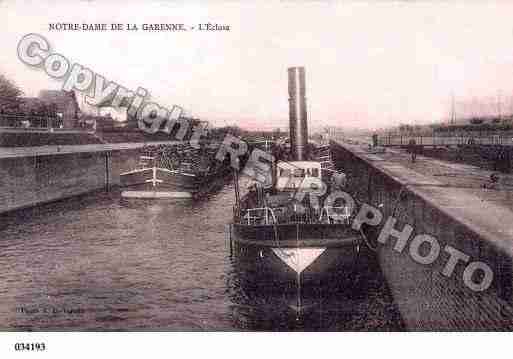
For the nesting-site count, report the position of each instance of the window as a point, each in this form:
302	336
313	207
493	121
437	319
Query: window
285	172
299	172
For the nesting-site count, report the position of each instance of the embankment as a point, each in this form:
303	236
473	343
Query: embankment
472	220
33	175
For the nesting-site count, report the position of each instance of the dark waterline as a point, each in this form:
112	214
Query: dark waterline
98	263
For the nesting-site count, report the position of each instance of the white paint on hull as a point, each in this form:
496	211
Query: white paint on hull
155	194
298	258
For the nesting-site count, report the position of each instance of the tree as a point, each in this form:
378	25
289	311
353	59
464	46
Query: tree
9	95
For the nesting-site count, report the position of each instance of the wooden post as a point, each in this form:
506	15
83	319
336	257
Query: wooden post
230	228
107	171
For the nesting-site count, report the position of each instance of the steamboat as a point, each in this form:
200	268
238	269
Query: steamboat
288	234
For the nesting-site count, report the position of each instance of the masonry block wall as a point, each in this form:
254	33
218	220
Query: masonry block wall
28	181
122	161
427	299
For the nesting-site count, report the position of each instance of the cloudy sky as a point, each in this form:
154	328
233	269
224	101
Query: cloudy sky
368	64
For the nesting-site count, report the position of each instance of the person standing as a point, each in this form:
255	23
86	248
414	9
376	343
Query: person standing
412	148
375	140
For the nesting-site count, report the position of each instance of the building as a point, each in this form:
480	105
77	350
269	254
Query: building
66	106
60	104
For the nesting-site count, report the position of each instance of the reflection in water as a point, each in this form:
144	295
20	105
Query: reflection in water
364	303
97	262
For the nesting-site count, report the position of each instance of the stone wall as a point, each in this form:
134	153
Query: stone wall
122	161
427	299
31	180
27	181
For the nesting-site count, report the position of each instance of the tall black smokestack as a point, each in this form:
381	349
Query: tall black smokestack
297	114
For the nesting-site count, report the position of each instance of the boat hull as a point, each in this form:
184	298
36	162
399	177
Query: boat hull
273	255
144	183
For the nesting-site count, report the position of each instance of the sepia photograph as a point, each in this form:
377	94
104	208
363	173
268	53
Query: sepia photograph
194	167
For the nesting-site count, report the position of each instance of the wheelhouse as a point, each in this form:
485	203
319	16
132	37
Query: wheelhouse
298	175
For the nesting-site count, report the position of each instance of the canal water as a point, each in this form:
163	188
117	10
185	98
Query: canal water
98	263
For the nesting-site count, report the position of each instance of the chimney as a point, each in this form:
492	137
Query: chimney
297	114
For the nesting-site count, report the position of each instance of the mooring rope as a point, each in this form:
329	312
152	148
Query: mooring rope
398	200
367	242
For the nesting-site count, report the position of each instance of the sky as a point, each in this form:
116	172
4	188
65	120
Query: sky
368	64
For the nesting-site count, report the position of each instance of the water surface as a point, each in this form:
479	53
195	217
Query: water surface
98	263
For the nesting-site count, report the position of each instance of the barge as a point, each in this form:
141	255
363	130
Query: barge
175	171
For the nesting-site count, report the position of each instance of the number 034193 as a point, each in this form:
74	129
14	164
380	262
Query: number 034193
30	347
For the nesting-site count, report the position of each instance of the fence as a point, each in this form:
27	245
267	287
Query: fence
490	138
29	121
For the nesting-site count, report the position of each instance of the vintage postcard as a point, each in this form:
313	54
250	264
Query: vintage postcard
230	166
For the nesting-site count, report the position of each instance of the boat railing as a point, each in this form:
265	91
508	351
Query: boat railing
275	215
335	214
262	215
